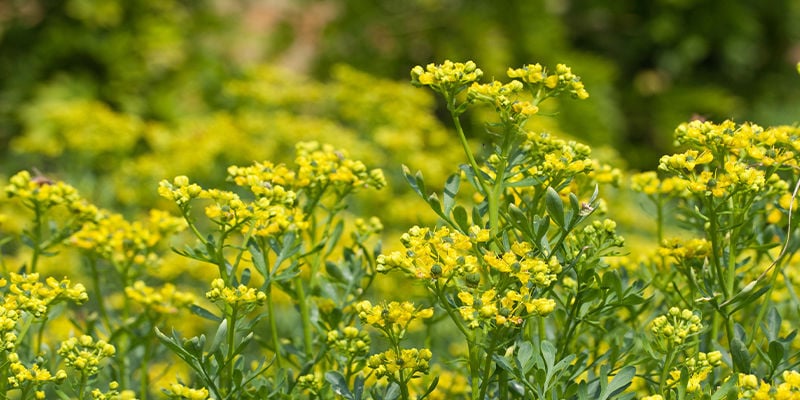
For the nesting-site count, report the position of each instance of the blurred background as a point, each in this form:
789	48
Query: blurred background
114	95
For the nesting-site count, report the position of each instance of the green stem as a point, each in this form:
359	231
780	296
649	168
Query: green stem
305	316
37	239
474	370
40	336
144	380
465	144
231	348
84	382
101	305
487	365
273	327
765	305
665	372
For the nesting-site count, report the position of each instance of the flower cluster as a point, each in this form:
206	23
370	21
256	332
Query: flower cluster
84	354
349	342
673	329
698	367
441	254
393	318
507	309
650	184
685	249
180	190
319	165
400	367
563	80
180	391
504	98
166	300
114	238
241	297
41	194
310	383
448	77
34	375
27	293
726	158
751	388
551	161
113	393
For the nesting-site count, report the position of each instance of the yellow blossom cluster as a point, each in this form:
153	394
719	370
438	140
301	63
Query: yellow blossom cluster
750	387
114	238
683	249
698	367
563	80
84	354
180	190
35	375
650	184
349	341
180	391
310	383
394	318
41	194
166	300
726	158
261	217
265	179
518	264
446	77
552	161
507	309
401	367
242	297
113	393
504	97
674	328
27	293
319	165
440	254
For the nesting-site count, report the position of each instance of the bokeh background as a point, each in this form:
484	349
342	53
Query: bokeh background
115	95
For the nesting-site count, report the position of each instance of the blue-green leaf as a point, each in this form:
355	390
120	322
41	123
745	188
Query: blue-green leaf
450	190
740	355
202	312
554	205
339	384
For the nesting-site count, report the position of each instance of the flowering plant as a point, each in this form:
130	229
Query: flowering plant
522	288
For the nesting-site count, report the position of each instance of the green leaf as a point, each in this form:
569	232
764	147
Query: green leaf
775	353
257	257
620	382
450	190
773	324
416	183
519	220
502	363
392	392
203	313
554	205
525	356
430	389
436	205
740	355
222	332
477	216
245	276
460	217
339	384
728	391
